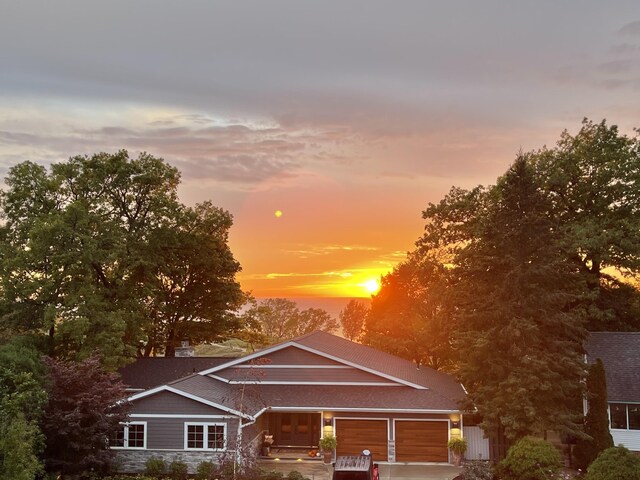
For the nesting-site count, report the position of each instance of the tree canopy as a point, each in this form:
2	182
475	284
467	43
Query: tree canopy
352	319
100	254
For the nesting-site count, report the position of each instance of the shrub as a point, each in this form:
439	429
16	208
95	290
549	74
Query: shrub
272	476
178	470
155	467
458	445
477	470
530	458
295	475
615	463
204	471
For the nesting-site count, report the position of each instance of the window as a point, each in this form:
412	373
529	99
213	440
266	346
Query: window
625	416
130	435
205	436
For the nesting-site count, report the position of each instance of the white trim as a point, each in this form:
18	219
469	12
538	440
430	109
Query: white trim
364	410
177	415
126	446
205	436
348	384
296	366
310	350
167	388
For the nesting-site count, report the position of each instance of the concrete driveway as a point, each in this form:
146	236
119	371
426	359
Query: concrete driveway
318	471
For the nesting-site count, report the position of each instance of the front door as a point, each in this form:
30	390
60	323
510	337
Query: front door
295	429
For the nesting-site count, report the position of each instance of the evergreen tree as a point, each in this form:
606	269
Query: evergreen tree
520	325
596	422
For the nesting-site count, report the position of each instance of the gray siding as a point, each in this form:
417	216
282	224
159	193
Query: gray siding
168	433
320	375
297	356
171	403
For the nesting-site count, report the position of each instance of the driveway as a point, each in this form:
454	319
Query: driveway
319	471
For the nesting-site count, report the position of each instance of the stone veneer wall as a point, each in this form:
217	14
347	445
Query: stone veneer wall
133	461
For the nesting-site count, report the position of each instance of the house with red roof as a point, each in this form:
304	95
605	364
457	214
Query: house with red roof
296	392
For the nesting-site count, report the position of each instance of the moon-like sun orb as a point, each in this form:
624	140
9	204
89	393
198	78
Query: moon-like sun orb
278	213
372	286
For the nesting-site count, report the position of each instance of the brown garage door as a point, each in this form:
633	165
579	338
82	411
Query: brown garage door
354	436
421	441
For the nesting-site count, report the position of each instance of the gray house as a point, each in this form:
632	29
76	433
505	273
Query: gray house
620	354
295	391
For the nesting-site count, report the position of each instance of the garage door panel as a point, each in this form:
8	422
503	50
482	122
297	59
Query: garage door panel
356	435
420	441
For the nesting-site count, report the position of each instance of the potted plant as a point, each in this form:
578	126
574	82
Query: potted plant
457	446
328	443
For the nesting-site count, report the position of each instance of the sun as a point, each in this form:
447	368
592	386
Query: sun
372	286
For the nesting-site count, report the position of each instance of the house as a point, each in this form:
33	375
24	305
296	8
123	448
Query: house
296	391
620	354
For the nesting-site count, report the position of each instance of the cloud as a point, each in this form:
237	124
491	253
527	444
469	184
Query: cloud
631	29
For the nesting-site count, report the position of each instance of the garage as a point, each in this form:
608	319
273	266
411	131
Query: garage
354	436
421	441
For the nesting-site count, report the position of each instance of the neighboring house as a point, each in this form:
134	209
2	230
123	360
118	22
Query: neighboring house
620	354
296	391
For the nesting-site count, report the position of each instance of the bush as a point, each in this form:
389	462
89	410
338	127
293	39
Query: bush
204	471
477	470
530	458
178	470
457	445
295	475
272	476
615	463
155	467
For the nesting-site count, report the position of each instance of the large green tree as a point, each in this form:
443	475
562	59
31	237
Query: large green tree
592	179
352	319
99	253
518	311
409	316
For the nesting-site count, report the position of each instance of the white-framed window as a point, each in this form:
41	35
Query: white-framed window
205	436
130	435
624	416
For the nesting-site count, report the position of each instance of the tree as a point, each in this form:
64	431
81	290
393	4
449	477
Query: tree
99	253
596	422
279	319
352	319
593	182
518	313
85	407
22	397
408	316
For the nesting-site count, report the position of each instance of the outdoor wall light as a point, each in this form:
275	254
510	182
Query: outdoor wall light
327	422
455	423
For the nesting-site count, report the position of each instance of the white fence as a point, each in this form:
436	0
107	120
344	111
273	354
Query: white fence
477	445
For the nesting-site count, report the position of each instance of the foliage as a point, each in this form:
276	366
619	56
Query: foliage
596	424
155	467
477	470
205	471
178	470
22	397
518	312
615	463
100	254
407	316
296	475
84	408
592	180
530	458
276	319
328	442
352	319
457	445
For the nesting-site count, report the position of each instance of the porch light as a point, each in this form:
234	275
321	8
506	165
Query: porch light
455	423
327	422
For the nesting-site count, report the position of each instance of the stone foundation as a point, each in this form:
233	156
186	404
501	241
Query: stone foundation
134	461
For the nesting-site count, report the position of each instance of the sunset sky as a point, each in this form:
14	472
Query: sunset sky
347	117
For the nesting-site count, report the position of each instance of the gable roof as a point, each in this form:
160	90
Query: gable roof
360	357
149	372
620	354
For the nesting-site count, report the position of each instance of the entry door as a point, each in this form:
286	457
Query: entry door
296	429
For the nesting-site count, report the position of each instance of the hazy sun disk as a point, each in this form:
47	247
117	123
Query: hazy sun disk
278	213
372	286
